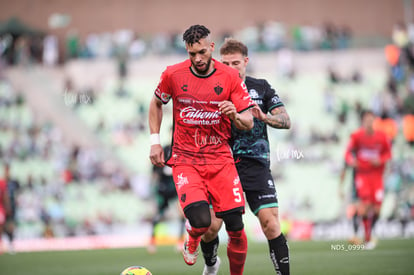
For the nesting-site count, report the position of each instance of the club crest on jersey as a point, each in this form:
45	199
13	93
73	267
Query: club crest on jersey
253	93
218	89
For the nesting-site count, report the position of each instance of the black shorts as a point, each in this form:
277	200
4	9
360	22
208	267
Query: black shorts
258	184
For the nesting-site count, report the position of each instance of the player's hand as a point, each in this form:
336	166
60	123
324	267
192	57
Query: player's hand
157	155
257	113
227	107
353	163
376	162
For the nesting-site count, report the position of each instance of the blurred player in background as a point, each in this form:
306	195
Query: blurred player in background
351	209
251	152
368	151
13	188
166	193
207	95
4	208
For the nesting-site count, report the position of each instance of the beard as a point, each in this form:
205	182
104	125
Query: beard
204	71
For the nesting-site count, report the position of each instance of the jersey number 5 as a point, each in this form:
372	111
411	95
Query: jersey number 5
236	192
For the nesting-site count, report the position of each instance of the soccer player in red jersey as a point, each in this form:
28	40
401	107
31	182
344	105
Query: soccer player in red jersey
4	208
368	151
207	95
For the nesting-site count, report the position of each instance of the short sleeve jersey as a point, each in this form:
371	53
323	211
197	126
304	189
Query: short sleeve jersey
366	148
254	144
201	132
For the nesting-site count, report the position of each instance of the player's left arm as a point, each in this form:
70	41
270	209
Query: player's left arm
386	151
278	117
242	120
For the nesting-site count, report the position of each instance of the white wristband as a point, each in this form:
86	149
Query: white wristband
155	139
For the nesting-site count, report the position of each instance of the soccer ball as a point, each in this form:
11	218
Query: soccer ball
136	270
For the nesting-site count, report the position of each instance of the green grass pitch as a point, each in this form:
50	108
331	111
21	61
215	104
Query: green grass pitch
313	257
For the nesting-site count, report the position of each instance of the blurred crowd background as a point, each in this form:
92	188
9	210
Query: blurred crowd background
76	79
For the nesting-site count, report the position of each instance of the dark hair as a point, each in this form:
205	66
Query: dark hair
194	33
232	45
364	113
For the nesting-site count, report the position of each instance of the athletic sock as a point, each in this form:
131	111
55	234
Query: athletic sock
367	227
355	223
210	251
279	254
237	251
374	220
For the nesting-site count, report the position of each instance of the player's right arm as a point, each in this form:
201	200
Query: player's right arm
5	197
341	182
154	120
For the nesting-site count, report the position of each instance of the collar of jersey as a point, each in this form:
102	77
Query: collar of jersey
202	76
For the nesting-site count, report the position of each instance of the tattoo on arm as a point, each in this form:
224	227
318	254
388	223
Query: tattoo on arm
279	118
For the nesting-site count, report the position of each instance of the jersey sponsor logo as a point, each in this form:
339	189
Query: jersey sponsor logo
270	183
243	85
267	196
184	88
369	154
185	100
218	89
275	99
193	116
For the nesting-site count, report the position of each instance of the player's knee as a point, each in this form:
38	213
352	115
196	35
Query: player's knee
198	214
269	223
209	235
271	228
233	221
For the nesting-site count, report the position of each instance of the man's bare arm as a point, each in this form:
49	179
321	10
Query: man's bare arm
242	121
278	118
155	114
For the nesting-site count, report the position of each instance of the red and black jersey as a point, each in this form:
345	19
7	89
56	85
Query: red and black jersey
201	132
3	190
367	148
